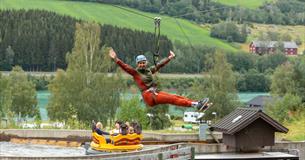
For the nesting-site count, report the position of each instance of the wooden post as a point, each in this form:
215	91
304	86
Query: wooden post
192	153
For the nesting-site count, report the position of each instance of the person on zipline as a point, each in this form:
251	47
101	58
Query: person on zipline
143	76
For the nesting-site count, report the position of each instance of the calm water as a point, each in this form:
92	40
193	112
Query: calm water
43	97
35	150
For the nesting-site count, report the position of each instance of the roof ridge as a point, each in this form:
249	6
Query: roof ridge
249	108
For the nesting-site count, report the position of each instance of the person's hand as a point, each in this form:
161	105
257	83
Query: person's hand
112	54
171	55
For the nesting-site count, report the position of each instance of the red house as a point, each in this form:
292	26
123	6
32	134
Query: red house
263	47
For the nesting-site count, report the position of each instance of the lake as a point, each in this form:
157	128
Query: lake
43	97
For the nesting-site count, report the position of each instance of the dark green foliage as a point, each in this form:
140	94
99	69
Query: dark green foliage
158	119
39	40
276	12
299	77
241	61
189	59
220	87
270	61
41	83
285	108
229	31
131	110
85	91
128	43
253	81
289	78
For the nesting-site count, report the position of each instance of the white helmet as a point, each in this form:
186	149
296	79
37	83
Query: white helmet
140	58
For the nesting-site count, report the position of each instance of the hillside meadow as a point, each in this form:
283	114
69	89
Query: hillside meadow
243	3
108	14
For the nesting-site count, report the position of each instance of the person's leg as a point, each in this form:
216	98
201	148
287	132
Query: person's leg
167	98
148	98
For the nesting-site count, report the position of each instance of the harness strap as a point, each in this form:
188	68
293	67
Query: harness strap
154	92
157	39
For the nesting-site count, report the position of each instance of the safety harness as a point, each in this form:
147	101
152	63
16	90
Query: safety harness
156	54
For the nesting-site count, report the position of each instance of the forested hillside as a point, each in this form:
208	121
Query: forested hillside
39	40
122	17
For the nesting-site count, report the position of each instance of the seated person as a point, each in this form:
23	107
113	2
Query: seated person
137	127
116	130
98	130
131	130
123	129
127	124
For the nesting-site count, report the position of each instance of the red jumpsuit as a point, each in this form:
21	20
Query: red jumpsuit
145	82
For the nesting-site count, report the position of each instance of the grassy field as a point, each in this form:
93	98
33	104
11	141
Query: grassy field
107	14
293	31
243	3
296	130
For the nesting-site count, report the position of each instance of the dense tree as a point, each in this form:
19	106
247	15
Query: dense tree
41	45
285	108
157	117
5	95
270	61
229	31
283	80
299	77
220	87
253	81
23	94
189	59
85	91
131	110
241	61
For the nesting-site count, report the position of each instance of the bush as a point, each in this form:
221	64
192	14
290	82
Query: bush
131	110
229	31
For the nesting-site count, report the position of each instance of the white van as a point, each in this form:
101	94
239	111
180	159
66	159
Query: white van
192	117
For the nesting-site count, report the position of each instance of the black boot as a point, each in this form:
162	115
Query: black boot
202	104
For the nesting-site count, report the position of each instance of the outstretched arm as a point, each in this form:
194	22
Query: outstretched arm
163	62
124	66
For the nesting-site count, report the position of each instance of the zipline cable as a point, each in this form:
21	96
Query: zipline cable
182	30
157	21
204	11
134	12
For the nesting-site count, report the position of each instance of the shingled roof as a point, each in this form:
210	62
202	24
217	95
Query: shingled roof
261	101
242	117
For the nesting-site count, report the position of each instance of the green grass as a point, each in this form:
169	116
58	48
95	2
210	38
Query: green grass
243	3
293	31
296	129
107	14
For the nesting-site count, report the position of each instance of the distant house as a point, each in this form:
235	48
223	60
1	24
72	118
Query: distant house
260	101
261	47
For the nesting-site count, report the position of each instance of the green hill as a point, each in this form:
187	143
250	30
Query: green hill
107	14
243	3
